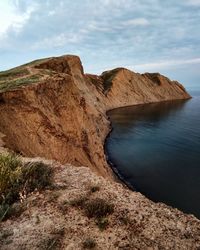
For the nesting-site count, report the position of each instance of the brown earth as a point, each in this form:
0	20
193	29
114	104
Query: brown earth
53	110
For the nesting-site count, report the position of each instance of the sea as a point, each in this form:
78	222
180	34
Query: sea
155	150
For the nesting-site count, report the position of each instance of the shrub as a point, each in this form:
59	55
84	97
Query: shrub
102	223
94	189
52	241
36	175
98	208
10	210
79	202
17	179
10	176
89	243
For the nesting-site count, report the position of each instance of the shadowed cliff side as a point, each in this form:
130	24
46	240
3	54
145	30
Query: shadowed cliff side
50	108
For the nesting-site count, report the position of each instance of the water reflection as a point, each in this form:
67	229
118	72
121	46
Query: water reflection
156	149
127	116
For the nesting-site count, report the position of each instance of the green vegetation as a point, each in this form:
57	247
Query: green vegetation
10	176
79	202
36	175
22	75
108	77
102	223
17	180
89	243
35	62
98	208
52	241
12	73
12	84
95	208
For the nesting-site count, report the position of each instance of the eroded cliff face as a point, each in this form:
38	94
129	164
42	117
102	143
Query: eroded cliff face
52	109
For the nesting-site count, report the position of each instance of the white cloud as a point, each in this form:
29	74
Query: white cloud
57	41
103	32
136	22
193	2
10	18
156	66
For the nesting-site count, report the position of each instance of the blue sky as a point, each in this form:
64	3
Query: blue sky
142	35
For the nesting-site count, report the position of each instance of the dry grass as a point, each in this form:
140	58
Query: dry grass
15	83
89	243
98	208
17	180
12	73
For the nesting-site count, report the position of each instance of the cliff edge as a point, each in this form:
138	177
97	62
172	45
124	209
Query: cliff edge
50	108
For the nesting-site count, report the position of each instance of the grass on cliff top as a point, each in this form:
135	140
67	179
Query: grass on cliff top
12	73
20	76
108	77
35	62
7	85
18	179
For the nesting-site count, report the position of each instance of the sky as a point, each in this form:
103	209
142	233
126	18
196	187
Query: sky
142	35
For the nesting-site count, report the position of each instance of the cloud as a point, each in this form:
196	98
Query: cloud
104	33
58	41
193	2
11	19
136	22
164	64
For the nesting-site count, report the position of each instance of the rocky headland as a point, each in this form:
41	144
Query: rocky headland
50	108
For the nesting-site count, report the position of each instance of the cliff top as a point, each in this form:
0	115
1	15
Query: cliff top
39	70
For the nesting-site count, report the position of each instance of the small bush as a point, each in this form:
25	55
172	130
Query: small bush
94	189
79	202
102	223
98	208
52	241
17	180
4	211
10	176
11	210
124	220
89	243
36	175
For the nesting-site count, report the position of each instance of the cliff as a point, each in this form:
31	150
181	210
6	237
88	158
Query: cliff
50	108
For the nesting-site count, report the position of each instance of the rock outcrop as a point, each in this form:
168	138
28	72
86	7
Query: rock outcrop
50	108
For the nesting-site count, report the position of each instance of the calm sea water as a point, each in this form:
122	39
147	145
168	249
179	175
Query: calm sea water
155	149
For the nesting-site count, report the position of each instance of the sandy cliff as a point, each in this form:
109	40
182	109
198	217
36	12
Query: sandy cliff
50	108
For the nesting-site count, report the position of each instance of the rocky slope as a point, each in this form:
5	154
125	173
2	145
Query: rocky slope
50	108
57	218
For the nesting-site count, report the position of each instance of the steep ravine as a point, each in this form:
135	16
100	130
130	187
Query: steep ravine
62	115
